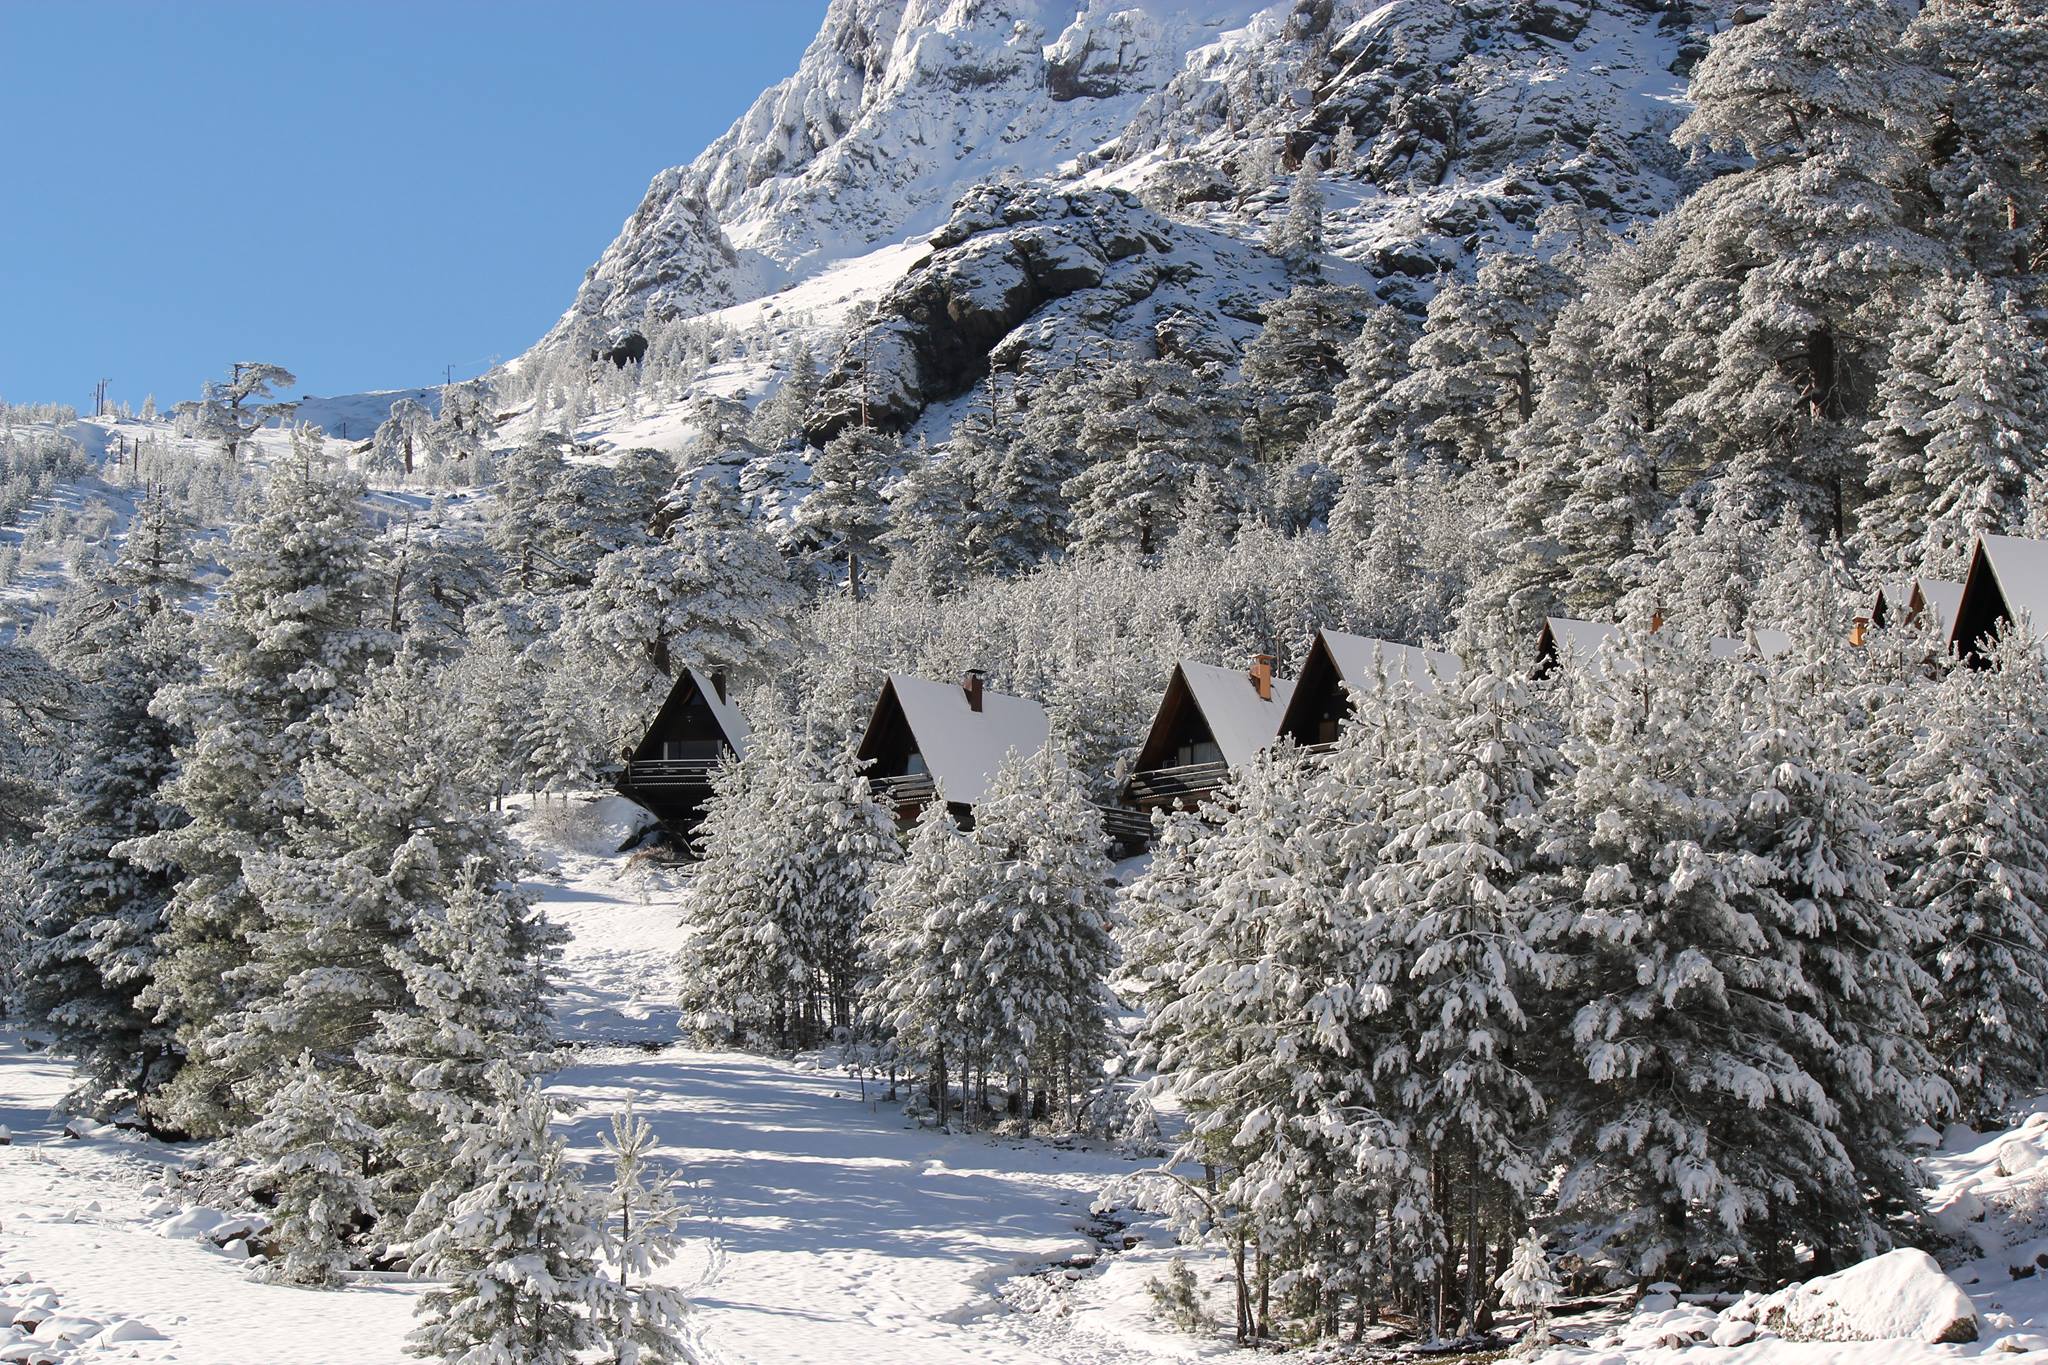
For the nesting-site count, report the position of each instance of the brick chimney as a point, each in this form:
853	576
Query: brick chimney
971	685
718	682
1262	676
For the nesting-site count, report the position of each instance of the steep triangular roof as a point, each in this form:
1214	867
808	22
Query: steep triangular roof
2008	578
962	747
689	684
1239	719
1572	641
1360	658
1939	597
1769	643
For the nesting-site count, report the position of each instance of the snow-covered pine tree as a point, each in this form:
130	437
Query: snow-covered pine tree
1791	273
95	915
392	823
1043	970
1297	238
1807	843
279	653
1460	886
474	976
519	1254
1958	447
848	512
1689	1115
644	1319
307	1154
1530	1283
1259	1034
1973	853
793	845
922	941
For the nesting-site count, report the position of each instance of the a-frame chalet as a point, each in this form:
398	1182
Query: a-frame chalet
1320	702
669	771
1917	602
926	735
1210	720
2007	583
1568	642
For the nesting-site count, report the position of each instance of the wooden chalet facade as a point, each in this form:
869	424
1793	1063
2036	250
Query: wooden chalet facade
2007	583
1209	721
1320	703
669	771
926	735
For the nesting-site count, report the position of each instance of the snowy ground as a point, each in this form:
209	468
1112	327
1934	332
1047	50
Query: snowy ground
823	1226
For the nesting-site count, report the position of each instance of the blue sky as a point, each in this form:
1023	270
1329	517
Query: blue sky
363	191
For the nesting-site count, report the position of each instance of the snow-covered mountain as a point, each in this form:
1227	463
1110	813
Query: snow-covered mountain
1442	125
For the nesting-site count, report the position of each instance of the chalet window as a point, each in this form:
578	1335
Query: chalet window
913	766
705	749
1197	751
1326	729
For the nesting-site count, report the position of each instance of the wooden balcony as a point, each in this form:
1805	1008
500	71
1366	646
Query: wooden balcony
1124	825
654	773
1189	785
908	789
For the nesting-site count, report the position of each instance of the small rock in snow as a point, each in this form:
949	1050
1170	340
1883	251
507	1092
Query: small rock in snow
1657	1303
67	1327
1901	1294
130	1329
236	1250
1733	1333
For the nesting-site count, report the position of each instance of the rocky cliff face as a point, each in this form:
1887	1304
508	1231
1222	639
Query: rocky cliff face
1442	126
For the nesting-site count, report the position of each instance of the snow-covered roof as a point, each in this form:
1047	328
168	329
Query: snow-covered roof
1241	721
1577	642
1360	658
963	747
1941	596
1769	643
2022	569
728	715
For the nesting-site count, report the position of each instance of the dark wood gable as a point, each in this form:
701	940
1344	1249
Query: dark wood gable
1180	762
669	771
1546	651
1320	703
895	768
1983	610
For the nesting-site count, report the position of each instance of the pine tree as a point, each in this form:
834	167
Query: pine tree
519	1253
1044	968
309	1149
1460	884
1529	1282
645	1323
1978	418
922	942
390	826
848	513
279	654
96	917
1789	274
1298	238
473	1000
1973	847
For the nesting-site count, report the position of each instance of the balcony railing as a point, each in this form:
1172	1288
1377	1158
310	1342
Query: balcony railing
1124	825
1168	786
907	789
671	772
